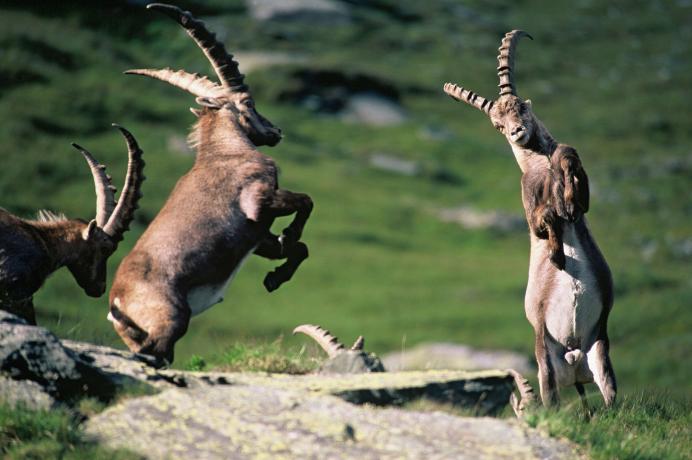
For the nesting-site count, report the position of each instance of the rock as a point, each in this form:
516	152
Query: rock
239	421
374	110
471	218
31	353
395	165
253	60
456	356
318	11
25	392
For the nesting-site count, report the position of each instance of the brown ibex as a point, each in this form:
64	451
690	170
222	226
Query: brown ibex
219	213
30	250
569	292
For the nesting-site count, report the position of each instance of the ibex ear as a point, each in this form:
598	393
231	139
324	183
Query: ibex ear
196	112
88	232
210	102
528	103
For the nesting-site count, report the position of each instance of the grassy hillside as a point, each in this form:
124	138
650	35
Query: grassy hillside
614	81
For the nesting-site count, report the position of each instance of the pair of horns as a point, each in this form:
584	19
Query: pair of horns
225	67
326	340
113	217
505	72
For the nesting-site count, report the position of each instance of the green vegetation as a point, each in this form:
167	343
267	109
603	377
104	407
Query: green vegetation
54	434
641	426
612	79
271	357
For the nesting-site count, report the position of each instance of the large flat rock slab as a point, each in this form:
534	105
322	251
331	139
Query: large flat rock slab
485	391
243	421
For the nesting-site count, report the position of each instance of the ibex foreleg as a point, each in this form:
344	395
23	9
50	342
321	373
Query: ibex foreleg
287	245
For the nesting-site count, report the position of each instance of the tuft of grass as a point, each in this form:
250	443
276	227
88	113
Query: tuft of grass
272	357
43	434
642	426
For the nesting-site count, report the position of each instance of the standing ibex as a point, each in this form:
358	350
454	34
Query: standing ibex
220	212
30	250
569	293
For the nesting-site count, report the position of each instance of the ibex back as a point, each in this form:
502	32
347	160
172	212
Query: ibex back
219	213
30	250
569	293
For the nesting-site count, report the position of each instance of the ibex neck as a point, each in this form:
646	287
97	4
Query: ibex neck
62	240
218	135
537	150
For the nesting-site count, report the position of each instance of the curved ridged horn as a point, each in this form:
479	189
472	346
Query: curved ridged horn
526	395
196	84
505	61
105	192
464	95
123	214
222	61
323	337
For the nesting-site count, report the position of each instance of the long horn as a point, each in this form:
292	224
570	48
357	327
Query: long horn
105	192
323	337
505	61
122	216
196	84
222	61
526	395
464	95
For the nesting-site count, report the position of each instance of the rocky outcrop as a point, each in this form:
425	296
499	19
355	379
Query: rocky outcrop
253	421
37	370
456	356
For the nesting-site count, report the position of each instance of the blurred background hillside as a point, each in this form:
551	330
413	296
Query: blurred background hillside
418	231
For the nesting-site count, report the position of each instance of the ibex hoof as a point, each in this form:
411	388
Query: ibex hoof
271	283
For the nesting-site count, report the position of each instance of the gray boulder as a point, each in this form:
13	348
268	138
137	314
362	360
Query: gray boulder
33	354
456	356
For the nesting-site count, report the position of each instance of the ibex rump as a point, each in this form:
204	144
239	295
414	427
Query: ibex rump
30	250
219	213
569	293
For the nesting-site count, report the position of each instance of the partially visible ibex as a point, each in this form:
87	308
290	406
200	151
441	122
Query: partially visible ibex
220	212
30	250
569	293
341	360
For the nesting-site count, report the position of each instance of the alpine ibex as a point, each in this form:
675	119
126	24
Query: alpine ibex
30	250
220	212
569	293
341	360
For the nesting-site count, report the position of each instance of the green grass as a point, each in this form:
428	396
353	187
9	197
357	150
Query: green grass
642	426
272	357
48	434
613	80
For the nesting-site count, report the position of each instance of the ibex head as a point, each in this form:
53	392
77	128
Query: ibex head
510	115
232	97
100	237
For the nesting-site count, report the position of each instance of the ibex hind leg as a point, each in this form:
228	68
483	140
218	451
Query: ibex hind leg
23	309
599	363
161	339
546	372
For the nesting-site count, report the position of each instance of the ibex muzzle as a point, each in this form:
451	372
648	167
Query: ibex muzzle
30	250
219	213
569	293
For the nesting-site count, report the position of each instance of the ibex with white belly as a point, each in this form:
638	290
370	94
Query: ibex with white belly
30	250
569	293
220	212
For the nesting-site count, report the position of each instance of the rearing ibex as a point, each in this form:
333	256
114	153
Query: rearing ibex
30	250
220	212
569	293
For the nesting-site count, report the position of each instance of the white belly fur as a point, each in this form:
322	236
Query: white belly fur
202	297
575	304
